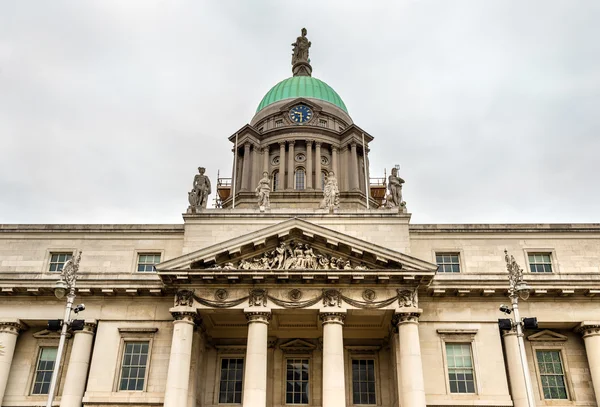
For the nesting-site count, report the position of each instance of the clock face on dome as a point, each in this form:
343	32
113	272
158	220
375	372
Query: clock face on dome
300	114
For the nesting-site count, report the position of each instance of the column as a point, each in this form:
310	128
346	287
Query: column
195	368
345	172
78	367
178	375
281	185
9	331
334	161
334	393
518	390
255	369
265	152
591	337
410	368
354	167
246	167
290	181
309	165
318	181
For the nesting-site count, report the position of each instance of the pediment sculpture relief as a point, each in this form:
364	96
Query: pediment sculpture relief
293	256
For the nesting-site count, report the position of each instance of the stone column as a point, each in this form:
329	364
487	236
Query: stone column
309	165
318	181
9	331
246	168
290	179
344	174
334	161
591	337
410	368
79	363
255	369
281	185
178	376
518	391
334	393
265	152
354	167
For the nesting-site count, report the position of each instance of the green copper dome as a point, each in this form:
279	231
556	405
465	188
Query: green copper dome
301	87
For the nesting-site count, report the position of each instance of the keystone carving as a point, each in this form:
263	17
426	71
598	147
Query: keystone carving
258	298
184	298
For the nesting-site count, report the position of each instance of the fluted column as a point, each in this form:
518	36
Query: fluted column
79	363
354	168
518	391
255	369
281	185
591	337
410	367
334	161
318	181
178	375
9	331
290	178
309	165
246	168
265	152
334	394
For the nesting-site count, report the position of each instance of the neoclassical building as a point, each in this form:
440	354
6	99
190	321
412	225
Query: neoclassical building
324	295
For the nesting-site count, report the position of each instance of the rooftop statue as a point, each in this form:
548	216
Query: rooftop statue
262	191
198	197
301	46
331	193
395	186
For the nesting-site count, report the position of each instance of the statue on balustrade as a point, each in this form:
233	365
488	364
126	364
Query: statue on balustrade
263	190
394	199
331	193
198	197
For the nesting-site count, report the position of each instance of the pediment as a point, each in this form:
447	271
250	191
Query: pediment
297	244
547	336
47	334
297	345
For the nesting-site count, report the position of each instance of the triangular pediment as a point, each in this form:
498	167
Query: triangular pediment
547	336
297	345
297	244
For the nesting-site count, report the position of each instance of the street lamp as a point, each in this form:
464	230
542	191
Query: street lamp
64	286
518	289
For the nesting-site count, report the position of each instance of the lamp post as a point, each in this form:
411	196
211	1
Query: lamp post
66	285
519	289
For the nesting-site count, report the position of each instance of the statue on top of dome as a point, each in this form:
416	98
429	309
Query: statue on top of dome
301	46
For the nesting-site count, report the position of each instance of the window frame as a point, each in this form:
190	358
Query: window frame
299	168
275	185
228	352
287	355
460	336
451	252
544	251
47	339
362	353
553	346
54	250
38	354
139	252
133	335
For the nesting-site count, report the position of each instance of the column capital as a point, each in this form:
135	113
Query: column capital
89	327
281	143
254	315
309	142
334	149
353	144
589	328
247	145
265	149
406	316
318	144
332	317
291	142
185	314
12	326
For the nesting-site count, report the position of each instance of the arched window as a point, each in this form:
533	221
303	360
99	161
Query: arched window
300	178
275	181
323	179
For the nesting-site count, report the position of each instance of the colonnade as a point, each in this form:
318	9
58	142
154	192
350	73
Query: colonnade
255	160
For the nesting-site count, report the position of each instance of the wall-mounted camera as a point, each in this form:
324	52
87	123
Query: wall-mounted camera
79	308
505	309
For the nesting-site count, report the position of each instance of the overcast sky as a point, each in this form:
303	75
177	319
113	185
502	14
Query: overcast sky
490	107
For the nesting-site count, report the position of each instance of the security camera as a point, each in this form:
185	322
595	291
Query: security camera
79	308
505	308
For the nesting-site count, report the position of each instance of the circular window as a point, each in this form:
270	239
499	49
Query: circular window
275	160
324	160
300	157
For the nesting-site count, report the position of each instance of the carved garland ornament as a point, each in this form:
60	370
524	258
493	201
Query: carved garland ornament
293	256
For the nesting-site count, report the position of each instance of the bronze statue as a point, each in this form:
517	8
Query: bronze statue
198	197
301	46
263	190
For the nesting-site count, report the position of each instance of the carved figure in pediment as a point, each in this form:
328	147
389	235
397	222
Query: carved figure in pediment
184	298
347	265
310	260
228	266
278	256
332	298
323	262
290	259
258	298
408	298
333	263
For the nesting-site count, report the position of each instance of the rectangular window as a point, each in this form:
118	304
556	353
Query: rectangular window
363	382
147	261
230	386
43	371
278	123
297	381
133	368
540	262
58	260
461	375
447	262
552	375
